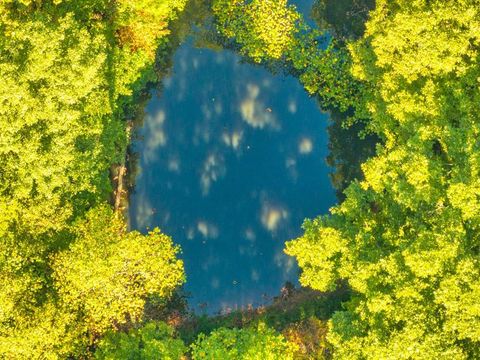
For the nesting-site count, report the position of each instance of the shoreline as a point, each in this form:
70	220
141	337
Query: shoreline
119	179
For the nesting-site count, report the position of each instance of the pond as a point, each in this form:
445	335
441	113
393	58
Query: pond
231	161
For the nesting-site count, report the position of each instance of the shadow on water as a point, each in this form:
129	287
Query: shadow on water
345	19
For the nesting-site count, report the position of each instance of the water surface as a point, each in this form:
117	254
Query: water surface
232	160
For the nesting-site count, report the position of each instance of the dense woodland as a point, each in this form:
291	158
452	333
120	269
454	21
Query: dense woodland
396	263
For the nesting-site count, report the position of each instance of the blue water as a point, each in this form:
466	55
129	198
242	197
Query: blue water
232	160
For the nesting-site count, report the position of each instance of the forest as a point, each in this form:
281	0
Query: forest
391	272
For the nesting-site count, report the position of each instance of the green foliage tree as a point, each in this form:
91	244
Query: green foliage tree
128	267
62	96
406	237
273	32
246	344
263	28
68	72
100	282
154	340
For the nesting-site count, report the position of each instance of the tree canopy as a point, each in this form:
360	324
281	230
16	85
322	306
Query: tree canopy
69	271
154	340
406	237
246	344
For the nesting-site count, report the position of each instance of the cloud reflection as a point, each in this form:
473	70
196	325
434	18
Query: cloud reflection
154	126
285	263
144	212
273	216
207	230
291	166
250	234
305	146
174	164
232	139
292	106
213	169
255	113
